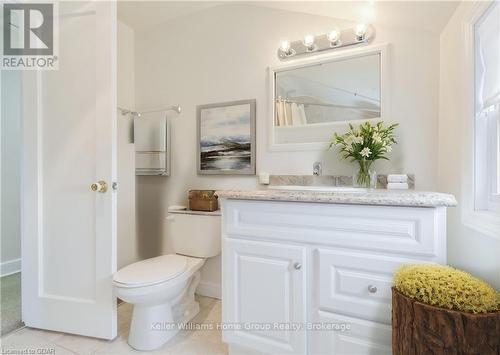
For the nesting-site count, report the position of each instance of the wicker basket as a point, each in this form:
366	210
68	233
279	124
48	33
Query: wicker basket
203	200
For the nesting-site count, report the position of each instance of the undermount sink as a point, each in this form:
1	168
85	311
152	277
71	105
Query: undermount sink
345	189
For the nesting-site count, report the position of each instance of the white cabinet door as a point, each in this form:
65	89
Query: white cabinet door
69	143
263	290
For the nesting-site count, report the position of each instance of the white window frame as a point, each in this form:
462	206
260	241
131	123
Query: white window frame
487	128
480	205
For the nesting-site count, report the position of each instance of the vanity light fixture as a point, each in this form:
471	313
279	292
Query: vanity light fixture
285	49
334	39
360	31
309	42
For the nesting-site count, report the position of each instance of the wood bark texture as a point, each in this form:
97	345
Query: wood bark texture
419	329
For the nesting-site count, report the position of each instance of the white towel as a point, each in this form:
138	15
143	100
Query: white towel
150	161
150	140
150	133
397	186
397	178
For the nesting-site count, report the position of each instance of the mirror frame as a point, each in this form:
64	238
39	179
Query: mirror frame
342	126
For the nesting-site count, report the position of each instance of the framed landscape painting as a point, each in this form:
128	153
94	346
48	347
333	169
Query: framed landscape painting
226	138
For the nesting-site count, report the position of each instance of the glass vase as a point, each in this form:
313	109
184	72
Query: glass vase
364	175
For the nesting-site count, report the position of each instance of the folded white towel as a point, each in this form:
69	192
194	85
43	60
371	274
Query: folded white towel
397	178
150	161
397	186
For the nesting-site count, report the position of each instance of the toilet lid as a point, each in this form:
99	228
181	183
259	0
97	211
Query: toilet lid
151	271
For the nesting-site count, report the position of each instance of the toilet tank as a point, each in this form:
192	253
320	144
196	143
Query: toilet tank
194	233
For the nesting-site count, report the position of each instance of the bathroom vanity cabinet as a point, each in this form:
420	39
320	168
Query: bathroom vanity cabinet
315	278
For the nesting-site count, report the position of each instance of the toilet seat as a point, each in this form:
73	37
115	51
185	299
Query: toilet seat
151	271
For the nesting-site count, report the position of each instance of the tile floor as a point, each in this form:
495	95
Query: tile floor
10	303
190	342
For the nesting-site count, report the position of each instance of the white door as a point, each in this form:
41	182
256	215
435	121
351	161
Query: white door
263	290
69	142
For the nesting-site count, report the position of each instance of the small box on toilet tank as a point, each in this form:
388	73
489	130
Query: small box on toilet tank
203	200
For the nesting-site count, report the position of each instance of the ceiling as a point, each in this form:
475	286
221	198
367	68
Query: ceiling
428	15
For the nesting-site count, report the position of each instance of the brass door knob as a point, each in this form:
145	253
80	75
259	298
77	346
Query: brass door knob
100	186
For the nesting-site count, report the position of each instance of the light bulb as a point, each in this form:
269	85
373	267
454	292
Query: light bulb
360	31
309	42
334	37
285	46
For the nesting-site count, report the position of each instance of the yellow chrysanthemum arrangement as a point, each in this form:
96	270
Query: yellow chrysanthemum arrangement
446	287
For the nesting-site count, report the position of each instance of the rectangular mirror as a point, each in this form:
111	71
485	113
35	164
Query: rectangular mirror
318	97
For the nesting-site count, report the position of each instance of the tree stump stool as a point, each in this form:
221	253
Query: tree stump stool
421	329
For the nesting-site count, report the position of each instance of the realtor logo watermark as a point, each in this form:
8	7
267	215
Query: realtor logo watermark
30	36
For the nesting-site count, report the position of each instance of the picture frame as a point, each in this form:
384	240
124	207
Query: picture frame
226	138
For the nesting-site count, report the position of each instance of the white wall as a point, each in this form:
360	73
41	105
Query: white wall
222	54
127	241
467	249
11	172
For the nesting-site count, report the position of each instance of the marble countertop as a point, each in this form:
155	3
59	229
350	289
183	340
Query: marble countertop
381	197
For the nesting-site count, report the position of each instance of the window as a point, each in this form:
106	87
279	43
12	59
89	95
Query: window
487	111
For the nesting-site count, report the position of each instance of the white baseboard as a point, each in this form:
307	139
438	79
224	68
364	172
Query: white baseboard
10	267
209	289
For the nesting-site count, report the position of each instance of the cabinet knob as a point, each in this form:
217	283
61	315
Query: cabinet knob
297	266
372	289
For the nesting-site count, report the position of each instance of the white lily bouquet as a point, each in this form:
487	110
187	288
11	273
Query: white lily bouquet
365	144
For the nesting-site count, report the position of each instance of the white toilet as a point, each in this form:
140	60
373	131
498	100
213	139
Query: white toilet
162	288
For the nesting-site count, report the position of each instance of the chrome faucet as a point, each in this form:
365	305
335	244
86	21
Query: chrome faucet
317	168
